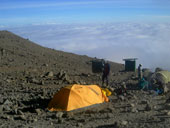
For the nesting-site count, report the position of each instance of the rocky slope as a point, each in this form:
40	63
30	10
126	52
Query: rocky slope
31	74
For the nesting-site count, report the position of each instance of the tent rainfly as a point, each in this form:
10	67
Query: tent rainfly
76	96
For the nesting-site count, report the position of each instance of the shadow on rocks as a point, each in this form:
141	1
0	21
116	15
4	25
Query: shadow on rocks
132	87
33	104
115	125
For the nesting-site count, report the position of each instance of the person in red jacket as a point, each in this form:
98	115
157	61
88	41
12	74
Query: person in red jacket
106	71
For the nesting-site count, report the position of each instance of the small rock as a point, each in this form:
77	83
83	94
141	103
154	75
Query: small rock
168	113
38	111
1	108
155	107
134	110
79	125
42	82
35	120
20	112
6	108
1	99
112	89
166	89
122	98
51	123
60	120
16	111
22	117
59	114
132	105
82	120
124	122
5	117
116	125
144	102
7	102
8	80
50	74
148	107
110	109
109	115
46	65
134	97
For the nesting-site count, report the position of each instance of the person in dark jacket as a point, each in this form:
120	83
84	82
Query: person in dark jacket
106	71
140	75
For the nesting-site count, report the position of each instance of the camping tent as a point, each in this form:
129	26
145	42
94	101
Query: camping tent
76	96
162	76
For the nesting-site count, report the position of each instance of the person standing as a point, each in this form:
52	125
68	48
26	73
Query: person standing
140	75
106	71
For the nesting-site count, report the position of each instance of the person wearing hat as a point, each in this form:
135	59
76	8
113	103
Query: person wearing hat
140	76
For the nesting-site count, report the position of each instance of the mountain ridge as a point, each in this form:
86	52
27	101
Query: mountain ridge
13	46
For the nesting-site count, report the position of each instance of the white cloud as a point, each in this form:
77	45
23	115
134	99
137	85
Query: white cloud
149	43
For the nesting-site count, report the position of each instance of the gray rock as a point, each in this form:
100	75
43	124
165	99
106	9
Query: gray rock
1	108
1	99
5	117
134	110
124	122
111	109
42	82
155	107
35	119
60	120
132	105
148	107
144	102
46	65
22	117
109	115
15	111
79	125
35	81
165	89
20	112
8	80
38	111
52	123
122	98
59	114
112	89
50	74
7	102
134	97
6	108
168	113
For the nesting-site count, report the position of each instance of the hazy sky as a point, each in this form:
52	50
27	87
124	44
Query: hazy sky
19	12
110	29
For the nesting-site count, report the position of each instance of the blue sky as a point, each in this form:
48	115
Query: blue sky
119	28
21	12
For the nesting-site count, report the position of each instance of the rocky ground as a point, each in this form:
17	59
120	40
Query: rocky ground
30	75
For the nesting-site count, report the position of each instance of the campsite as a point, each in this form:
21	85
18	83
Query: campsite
31	75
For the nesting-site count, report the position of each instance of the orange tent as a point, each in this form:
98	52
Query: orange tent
76	96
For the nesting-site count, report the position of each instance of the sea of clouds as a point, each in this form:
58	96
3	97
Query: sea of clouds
149	42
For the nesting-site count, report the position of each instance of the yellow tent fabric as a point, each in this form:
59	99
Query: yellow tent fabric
106	92
76	96
163	76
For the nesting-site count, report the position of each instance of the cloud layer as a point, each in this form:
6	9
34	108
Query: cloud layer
149	43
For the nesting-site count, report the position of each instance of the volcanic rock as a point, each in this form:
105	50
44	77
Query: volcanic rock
148	107
59	114
1	109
